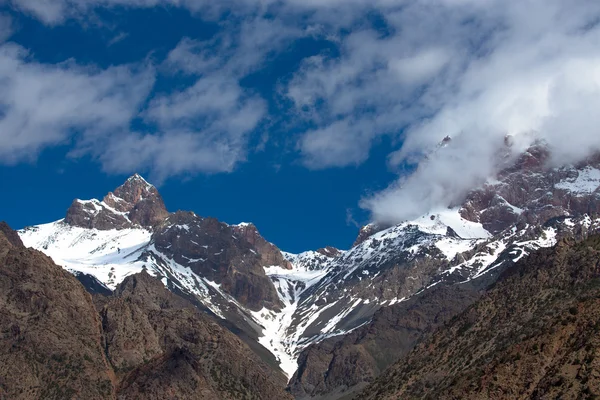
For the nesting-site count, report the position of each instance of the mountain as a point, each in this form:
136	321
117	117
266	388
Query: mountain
281	304
50	334
534	335
143	342
528	206
341	365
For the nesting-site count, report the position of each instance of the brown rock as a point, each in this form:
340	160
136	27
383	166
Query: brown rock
136	202
162	347
50	337
340	365
226	255
534	335
269	253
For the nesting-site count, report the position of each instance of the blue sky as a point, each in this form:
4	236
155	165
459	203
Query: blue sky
304	117
296	207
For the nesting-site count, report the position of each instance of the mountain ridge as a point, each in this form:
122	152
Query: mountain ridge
289	301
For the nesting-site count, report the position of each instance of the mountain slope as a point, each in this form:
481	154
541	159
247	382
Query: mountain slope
472	242
341	365
51	339
143	343
160	346
534	335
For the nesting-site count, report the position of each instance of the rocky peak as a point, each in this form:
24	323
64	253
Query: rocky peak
532	192
135	203
11	235
367	231
146	289
329	251
269	253
134	190
233	256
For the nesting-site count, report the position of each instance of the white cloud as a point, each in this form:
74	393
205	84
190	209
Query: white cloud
47	105
472	69
202	128
539	78
55	12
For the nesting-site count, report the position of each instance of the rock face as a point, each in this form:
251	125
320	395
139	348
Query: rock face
534	335
340	365
135	203
529	192
368	230
229	256
162	347
143	343
50	333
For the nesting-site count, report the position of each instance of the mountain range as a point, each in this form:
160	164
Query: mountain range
437	306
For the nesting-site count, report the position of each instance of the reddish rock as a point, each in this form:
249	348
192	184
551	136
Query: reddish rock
135	203
269	253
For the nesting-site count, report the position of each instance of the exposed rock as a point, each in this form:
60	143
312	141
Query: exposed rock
367	231
147	342
135	203
50	337
534	335
162	347
269	253
11	235
526	193
339	365
329	251
231	257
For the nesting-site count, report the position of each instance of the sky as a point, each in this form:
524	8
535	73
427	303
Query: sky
307	117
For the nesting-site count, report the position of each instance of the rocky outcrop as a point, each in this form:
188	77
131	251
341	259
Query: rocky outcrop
162	347
367	231
50	336
269	253
135	203
329	251
534	335
531	192
140	200
338	366
10	235
223	254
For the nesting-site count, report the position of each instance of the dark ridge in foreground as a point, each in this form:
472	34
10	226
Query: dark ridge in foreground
145	343
535	335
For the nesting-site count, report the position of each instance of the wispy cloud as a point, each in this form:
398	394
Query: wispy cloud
201	128
536	76
46	105
118	38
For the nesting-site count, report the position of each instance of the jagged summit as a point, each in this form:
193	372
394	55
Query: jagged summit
138	178
135	203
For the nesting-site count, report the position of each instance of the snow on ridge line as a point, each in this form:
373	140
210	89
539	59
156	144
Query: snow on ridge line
108	255
587	181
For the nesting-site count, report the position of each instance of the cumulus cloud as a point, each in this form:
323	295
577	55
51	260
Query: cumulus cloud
47	105
202	128
215	116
